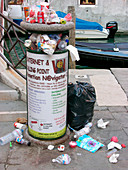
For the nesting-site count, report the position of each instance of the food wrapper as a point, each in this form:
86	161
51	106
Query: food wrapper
27	43
88	143
68	17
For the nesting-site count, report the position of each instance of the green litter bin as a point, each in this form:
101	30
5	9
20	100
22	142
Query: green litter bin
47	89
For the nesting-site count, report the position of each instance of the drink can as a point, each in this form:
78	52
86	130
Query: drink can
40	17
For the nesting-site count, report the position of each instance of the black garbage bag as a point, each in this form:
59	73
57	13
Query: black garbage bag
81	100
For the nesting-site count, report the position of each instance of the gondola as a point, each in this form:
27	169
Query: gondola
103	55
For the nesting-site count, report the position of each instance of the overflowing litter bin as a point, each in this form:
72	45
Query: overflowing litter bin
47	83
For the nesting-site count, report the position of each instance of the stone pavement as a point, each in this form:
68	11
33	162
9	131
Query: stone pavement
108	91
21	157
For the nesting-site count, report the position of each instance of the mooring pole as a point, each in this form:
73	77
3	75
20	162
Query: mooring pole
71	9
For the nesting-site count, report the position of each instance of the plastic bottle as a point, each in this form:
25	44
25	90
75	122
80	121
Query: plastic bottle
66	39
10	136
62	45
25	9
89	124
62	159
19	125
22	141
82	131
109	154
86	129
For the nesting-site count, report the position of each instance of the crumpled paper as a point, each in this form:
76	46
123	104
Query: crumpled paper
50	147
112	145
73	52
101	124
113	158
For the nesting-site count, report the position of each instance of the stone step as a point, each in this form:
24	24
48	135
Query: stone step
10	110
10	105
7	93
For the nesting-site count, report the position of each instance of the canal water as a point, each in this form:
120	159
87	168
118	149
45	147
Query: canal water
17	49
118	39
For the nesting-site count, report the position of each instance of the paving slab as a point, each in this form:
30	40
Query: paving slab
112	126
5	127
97	108
121	75
125	130
108	90
2	167
117	109
122	118
104	114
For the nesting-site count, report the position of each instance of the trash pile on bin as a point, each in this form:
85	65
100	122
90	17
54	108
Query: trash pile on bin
48	43
40	12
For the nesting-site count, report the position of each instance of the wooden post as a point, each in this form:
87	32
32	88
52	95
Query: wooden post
71	9
6	5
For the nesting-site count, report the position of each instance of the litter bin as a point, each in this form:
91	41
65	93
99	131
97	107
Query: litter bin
47	87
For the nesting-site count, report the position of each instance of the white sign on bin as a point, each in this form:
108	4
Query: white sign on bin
47	94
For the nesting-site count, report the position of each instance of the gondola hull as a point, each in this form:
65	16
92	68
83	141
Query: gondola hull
101	57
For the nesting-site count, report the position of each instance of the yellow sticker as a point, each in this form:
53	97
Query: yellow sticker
60	64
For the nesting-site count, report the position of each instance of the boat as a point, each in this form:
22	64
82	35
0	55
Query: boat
103	55
91	34
15	11
90	30
87	29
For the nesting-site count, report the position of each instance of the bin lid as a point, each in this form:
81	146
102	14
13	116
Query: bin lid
36	27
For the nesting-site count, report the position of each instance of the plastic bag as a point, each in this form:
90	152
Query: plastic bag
81	100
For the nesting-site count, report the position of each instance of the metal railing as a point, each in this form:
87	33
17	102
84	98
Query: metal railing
11	45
